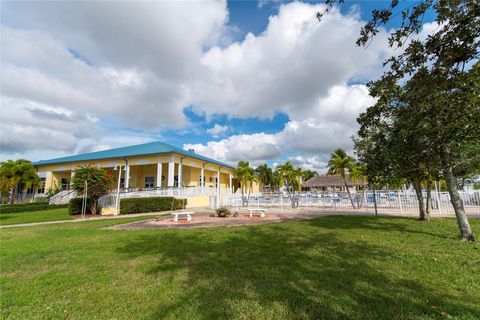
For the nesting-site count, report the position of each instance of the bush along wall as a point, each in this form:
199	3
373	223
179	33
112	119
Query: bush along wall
75	206
151	204
29	207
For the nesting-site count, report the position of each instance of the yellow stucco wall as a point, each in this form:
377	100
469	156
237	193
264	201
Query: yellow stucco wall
198	202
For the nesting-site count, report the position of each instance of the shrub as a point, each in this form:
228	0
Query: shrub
151	204
29	207
75	206
223	212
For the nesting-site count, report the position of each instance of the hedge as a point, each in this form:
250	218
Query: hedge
75	206
151	204
29	207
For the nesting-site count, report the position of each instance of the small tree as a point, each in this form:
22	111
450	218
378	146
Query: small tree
98	183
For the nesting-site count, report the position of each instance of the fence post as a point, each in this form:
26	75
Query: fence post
439	202
400	201
281	202
365	203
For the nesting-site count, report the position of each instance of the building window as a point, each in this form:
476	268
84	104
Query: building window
65	184
149	182
41	189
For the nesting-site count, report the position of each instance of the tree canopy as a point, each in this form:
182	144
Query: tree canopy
425	123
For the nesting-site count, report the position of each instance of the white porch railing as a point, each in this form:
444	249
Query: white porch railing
63	197
109	200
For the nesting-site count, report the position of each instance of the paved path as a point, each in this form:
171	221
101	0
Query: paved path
273	215
202	219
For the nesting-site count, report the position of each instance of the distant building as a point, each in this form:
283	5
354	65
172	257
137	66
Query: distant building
329	183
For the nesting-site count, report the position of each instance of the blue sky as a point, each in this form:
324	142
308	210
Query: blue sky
238	80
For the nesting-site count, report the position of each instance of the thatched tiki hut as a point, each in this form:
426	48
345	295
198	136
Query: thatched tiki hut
329	183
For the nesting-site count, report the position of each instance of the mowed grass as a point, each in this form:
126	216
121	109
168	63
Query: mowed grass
327	268
35	216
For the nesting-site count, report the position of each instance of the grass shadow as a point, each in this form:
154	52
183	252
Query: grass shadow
301	270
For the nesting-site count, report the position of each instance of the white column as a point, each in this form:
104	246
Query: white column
230	182
72	174
127	176
180	173
202	176
159	173
171	171
218	187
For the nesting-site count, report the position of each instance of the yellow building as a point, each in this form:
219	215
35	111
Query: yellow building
143	167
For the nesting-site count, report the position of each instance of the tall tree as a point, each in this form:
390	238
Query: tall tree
339	164
444	68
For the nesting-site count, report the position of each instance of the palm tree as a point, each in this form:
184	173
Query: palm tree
308	174
276	180
241	171
9	178
250	177
289	176
28	176
357	174
19	175
265	175
340	164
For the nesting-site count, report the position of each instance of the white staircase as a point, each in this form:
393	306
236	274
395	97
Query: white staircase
63	197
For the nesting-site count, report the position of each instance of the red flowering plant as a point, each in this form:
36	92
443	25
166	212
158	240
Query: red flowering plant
98	183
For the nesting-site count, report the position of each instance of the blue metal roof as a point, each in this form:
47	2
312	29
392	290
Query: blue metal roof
137	150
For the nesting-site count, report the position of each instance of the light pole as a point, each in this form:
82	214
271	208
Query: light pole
118	186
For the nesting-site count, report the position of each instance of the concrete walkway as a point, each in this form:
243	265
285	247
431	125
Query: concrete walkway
202	219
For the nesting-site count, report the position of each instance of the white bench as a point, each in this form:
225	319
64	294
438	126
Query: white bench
187	214
253	211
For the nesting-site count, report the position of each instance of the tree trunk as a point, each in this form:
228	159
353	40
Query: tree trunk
362	200
462	220
93	208
348	192
429	201
418	190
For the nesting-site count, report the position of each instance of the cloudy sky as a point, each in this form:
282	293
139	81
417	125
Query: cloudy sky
259	81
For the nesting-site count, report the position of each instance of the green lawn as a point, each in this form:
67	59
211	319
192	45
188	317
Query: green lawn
35	216
331	268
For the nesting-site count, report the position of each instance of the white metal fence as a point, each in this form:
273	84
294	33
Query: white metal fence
396	202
